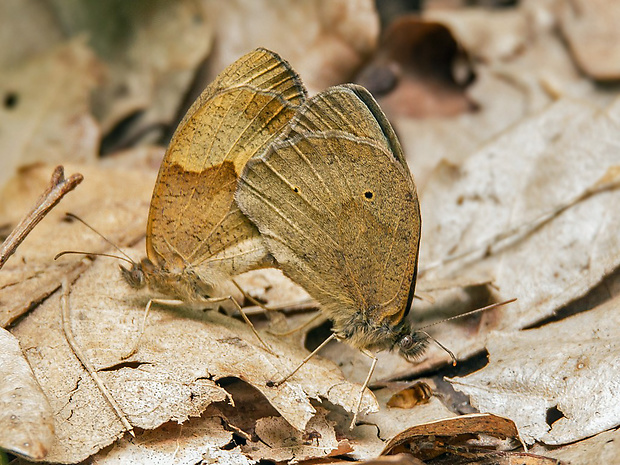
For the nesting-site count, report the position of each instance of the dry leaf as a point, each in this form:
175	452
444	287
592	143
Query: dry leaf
456	430
174	373
26	418
31	274
568	370
46	113
198	439
151	50
602	448
326	41
279	442
591	29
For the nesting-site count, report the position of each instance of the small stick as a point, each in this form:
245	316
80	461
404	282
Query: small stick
65	312
58	188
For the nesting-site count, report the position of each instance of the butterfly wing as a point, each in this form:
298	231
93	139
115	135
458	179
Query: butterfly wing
337	206
193	220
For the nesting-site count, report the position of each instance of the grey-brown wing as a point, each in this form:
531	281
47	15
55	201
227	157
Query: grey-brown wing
336	207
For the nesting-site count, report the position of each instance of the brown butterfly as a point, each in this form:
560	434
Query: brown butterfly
196	238
336	204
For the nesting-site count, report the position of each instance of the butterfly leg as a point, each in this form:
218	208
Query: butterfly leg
312	354
250	298
245	317
365	385
147	310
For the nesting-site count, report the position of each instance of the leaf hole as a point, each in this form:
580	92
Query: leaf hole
237	440
11	99
553	415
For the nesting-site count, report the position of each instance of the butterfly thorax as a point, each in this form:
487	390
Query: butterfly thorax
182	284
364	333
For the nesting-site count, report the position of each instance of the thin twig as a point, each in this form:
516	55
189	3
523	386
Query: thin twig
59	187
65	312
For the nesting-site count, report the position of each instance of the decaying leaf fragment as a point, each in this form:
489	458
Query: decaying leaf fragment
476	438
558	383
26	418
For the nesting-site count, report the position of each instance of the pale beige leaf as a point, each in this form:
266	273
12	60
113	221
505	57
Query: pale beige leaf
48	118
279	442
602	448
26	418
198	439
545	162
571	365
171	377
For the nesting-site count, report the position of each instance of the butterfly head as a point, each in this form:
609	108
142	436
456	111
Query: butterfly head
410	343
136	276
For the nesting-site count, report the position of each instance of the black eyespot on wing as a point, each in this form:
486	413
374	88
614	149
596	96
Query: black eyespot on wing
296	189
369	195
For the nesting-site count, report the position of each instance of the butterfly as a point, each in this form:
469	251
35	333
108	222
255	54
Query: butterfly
337	207
197	239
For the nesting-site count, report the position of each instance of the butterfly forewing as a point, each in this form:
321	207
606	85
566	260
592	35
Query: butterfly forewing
337	208
193	220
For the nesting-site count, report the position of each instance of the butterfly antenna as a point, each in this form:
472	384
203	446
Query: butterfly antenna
67	252
75	217
478	310
473	312
450	353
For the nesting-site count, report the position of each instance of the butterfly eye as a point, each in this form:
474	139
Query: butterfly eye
406	343
369	195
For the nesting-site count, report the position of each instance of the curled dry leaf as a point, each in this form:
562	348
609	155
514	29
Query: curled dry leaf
326	41
591	29
26	418
476	423
412	73
32	274
567	372
453	437
46	113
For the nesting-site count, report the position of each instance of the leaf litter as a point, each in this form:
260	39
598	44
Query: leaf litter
536	116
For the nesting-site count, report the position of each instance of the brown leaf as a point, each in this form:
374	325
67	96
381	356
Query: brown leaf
591	29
